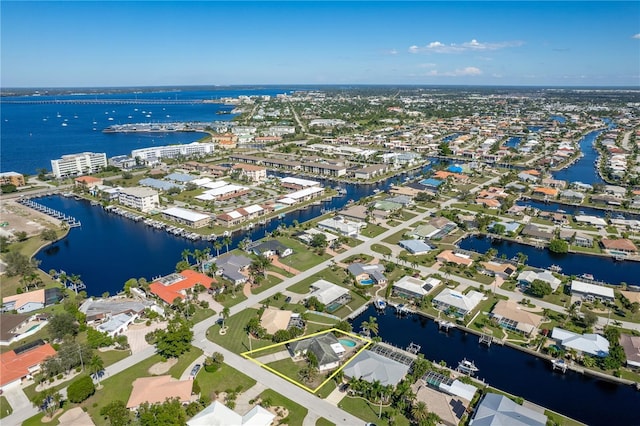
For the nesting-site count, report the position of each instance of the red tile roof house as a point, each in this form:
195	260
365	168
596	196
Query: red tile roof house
20	364
174	285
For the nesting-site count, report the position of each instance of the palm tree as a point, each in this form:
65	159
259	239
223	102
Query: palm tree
373	325
75	281
62	276
217	245
96	366
419	411
226	241
186	254
225	315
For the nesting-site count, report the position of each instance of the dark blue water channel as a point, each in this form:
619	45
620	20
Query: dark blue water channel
583	170
590	400
577	210
602	268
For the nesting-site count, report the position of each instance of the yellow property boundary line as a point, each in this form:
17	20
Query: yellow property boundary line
249	355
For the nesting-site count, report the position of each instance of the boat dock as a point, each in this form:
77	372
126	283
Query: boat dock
69	220
559	364
445	325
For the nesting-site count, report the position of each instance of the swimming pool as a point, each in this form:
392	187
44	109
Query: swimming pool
333	307
347	343
368	281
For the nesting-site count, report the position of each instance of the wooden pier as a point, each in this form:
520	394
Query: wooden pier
69	220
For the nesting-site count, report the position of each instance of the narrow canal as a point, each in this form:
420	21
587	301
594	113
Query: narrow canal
590	400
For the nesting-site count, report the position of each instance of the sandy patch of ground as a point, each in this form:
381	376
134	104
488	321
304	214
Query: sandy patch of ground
75	416
21	218
280	413
162	367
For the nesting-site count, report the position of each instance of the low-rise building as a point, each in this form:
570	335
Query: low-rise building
327	350
173	286
331	295
32	300
373	367
622	245
368	274
511	315
217	414
143	199
415	247
498	410
449	256
269	248
186	217
631	346
23	362
525	278
232	266
341	226
254	173
12	178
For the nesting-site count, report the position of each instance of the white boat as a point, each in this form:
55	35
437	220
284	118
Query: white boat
587	276
64	124
467	367
380	304
555	268
110	118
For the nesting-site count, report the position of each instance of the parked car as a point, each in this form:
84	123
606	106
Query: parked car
195	370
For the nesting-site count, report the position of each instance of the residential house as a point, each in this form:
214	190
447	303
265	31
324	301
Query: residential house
526	177
631	346
218	414
157	389
373	367
499	410
326	348
190	218
231	267
572	196
525	278
414	288
23	362
15	327
533	231
32	300
273	320
256	174
546	192
367	274
623	245
269	248
576	238
98	310
331	295
87	182
356	213
449	256
502	270
583	344
554	183
510	314
369	172
415	247
175	285
341	226
117	324
591	291
460	304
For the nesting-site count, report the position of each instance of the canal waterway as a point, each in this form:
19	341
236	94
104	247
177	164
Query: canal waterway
577	210
590	400
583	170
602	268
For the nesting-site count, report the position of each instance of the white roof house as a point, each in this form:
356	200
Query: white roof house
546	276
300	182
592	344
188	215
371	366
585	289
415	287
327	292
218	414
462	303
591	220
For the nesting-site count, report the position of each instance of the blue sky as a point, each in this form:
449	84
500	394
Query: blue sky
62	44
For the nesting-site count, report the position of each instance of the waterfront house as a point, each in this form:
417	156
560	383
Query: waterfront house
175	285
157	389
143	199
98	310
368	274
331	295
87	182
554	183
190	218
78	164
356	213
432	184
307	236
579	239
490	203
297	183
606	199
449	256
326	348
301	195
373	367
589	344
515	186
15	327
415	247
525	278
232	266
546	192
533	231
414	288
509	227
526	177
32	300
334	170
631	346
160	185
23	362
116	324
592	291
269	248
221	191
499	410
460	304
623	245
572	196
273	320
511	315
12	178
218	414
369	172
590	220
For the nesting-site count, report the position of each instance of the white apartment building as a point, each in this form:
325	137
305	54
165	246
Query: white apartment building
143	199
78	164
154	154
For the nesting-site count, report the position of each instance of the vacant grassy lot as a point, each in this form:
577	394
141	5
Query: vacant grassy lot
303	257
226	378
372	230
379	248
368	412
297	412
236	338
395	238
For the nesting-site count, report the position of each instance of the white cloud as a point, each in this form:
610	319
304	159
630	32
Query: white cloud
392	52
460	72
429	65
470	46
636	36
